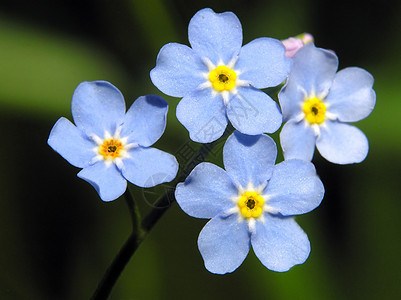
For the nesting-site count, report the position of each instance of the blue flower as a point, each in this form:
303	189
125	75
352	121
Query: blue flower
317	103
112	146
219	80
251	202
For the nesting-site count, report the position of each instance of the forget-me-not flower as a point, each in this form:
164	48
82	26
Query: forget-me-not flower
317	103
112	146
251	202
219	79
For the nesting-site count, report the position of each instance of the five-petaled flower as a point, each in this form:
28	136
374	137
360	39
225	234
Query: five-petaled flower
251	202
112	146
317	102
219	79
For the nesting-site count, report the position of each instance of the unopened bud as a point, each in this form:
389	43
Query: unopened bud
293	44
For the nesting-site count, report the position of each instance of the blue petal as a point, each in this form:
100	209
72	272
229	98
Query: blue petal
97	106
215	36
249	159
291	99
313	70
107	180
341	143
145	121
263	63
70	142
294	188
206	192
253	112
280	243
224	244
297	140
203	115
147	167
179	70
351	96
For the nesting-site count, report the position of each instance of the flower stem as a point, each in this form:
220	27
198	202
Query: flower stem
117	266
142	228
134	211
124	255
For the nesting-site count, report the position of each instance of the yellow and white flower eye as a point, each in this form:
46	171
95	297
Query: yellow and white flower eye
222	78
314	110
251	204
111	148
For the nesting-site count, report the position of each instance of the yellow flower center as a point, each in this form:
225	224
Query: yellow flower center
251	204
111	148
222	78
314	110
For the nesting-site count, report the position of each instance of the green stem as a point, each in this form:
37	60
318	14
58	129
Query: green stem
117	266
124	255
133	210
141	229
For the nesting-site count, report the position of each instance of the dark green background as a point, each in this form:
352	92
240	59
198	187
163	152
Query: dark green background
57	237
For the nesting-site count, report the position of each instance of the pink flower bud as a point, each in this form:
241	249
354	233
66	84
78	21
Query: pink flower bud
293	44
306	38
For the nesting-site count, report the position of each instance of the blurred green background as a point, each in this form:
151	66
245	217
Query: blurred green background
57	237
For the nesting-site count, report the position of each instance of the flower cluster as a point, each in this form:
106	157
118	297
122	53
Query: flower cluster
253	200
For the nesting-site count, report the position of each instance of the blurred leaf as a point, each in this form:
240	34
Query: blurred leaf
155	21
277	19
381	127
40	70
